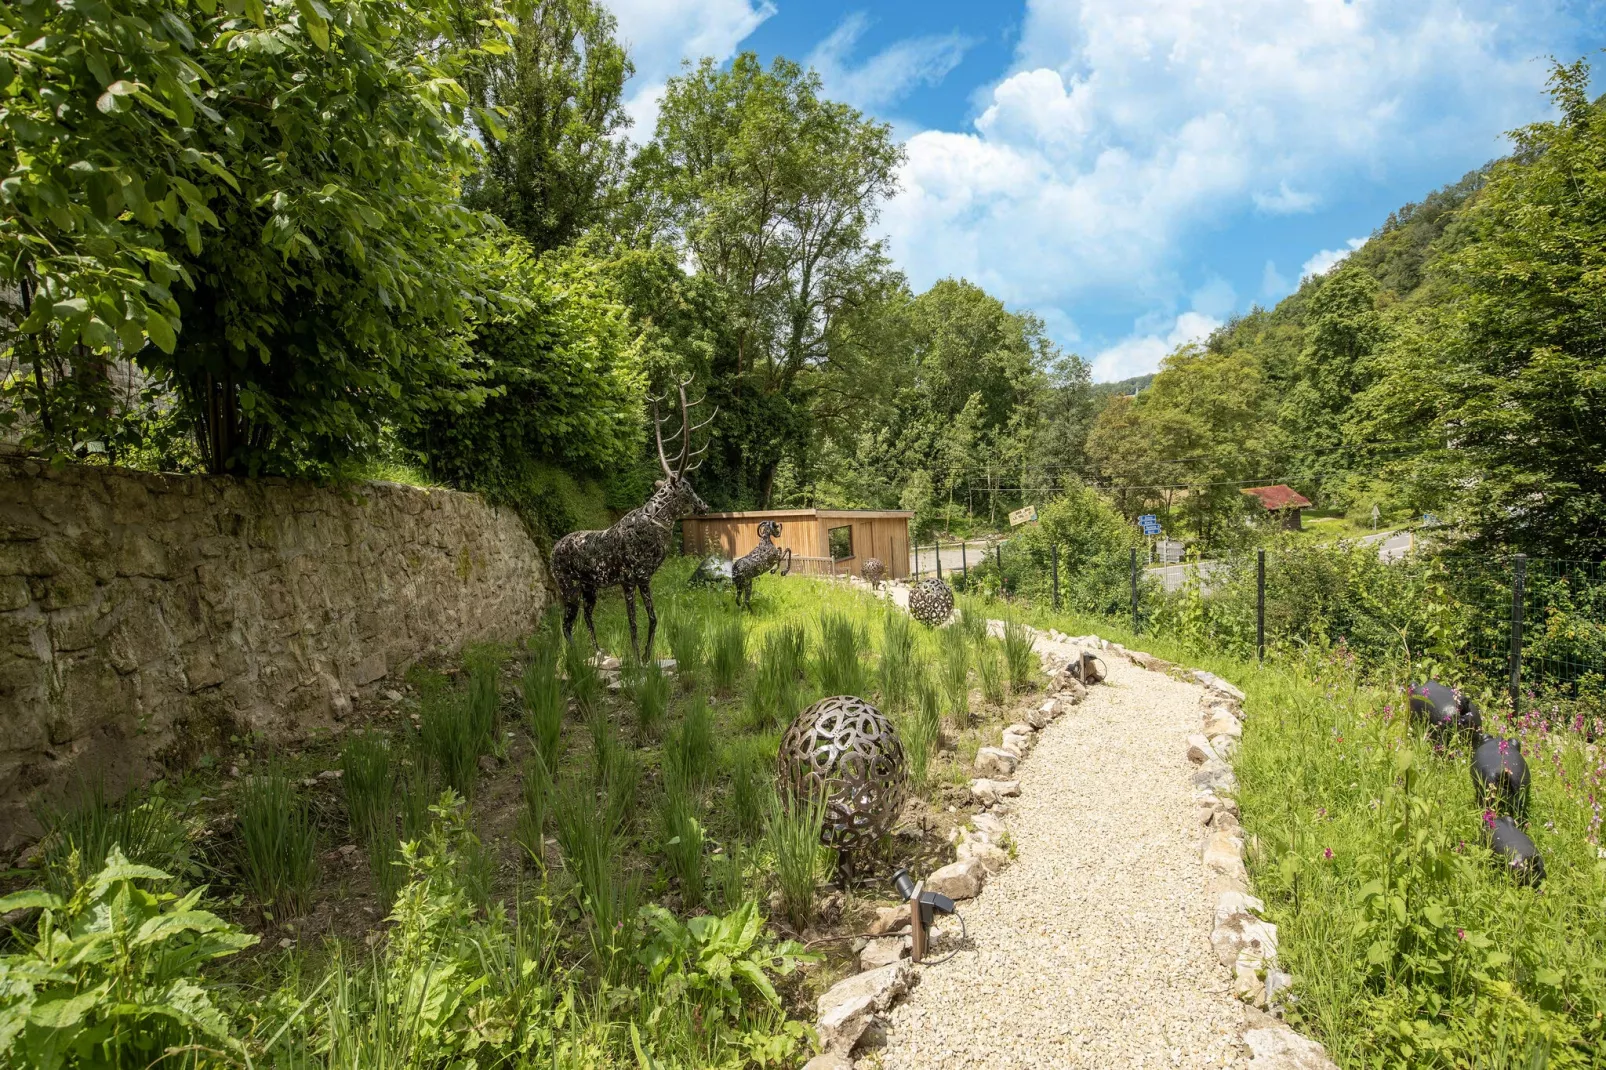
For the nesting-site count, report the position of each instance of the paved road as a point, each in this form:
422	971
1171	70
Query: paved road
1391	546
952	559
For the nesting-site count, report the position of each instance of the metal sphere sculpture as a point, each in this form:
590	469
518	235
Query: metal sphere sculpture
874	572
843	747
931	601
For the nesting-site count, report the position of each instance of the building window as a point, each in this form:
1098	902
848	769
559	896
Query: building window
841	542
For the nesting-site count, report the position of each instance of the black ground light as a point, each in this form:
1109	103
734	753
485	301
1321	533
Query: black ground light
924	907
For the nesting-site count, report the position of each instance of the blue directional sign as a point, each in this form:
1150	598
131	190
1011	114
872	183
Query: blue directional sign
1149	523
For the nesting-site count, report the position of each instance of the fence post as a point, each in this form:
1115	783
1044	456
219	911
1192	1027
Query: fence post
964	566
1001	585
1260	606
1134	590
1054	564
937	549
1519	576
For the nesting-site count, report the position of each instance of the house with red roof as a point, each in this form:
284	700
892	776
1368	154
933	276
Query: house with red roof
1283	501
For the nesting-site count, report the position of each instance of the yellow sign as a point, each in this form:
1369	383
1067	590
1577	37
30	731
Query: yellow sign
1022	516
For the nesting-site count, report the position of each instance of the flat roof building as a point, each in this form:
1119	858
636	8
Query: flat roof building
824	542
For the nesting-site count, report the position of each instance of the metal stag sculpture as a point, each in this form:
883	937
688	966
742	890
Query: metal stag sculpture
759	560
844	747
627	554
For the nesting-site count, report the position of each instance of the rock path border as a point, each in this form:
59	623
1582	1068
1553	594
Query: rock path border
862	1012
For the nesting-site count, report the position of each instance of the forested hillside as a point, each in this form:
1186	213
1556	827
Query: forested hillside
484	277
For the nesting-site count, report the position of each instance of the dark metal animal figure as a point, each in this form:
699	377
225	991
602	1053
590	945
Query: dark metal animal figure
1444	709
1512	847
627	554
874	573
1500	778
759	560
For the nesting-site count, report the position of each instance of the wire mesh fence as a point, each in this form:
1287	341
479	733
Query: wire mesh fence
1516	629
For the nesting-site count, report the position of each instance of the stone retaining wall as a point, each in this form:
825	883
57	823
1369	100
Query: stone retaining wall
143	616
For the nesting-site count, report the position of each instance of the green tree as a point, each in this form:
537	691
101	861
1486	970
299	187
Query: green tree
771	191
548	87
1498	385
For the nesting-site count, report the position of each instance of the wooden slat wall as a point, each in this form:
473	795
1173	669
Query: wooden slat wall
806	535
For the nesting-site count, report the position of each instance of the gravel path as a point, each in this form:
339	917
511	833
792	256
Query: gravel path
1093	948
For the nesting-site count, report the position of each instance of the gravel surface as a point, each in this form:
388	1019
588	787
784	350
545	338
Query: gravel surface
1093	948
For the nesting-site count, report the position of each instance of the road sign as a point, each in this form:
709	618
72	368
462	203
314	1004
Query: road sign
1149	523
1024	515
1428	520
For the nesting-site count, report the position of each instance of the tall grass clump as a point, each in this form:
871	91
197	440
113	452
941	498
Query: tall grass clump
535	800
727	655
921	730
78	837
680	812
648	688
751	784
368	783
897	666
585	682
278	843
991	673
1019	656
685	631
485	706
449	737
588	836
793	836
543	707
838	667
775	697
956	674
689	750
972	620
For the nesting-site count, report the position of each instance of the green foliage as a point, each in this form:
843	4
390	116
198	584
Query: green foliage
1020	659
920	731
776	694
727	656
956	673
838	665
588	836
544	703
680	813
751	784
278	855
147	831
718	962
685	631
450	737
897	665
367	781
585	683
649	690
689	750
793	835
990	673
113	977
535	798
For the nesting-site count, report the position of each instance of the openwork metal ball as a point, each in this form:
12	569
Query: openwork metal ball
874	572
844	747
931	601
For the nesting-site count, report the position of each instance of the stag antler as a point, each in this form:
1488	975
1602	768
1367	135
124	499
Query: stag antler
687	428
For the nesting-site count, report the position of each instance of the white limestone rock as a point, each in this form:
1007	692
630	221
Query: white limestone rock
988	791
995	762
1199	750
961	880
847	1008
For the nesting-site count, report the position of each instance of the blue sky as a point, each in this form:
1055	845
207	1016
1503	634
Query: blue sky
1136	171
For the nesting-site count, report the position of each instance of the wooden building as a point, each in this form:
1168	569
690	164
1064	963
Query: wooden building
824	542
1283	502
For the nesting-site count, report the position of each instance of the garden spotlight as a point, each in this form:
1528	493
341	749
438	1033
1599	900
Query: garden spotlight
924	907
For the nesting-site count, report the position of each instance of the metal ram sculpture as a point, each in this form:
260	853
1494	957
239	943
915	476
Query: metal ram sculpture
627	554
874	572
759	560
844	748
931	601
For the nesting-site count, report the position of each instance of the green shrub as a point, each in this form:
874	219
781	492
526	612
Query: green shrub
113	976
78	838
278	855
727	657
838	666
721	961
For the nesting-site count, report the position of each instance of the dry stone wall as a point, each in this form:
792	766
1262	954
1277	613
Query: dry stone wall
143	616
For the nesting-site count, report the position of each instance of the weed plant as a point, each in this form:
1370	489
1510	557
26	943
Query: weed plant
897	667
588	837
278	843
956	674
727	656
794	839
450	737
838	666
543	707
1019	656
78	838
775	697
729	874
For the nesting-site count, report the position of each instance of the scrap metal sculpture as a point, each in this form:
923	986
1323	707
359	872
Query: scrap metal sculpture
931	601
844	748
760	559
874	572
629	552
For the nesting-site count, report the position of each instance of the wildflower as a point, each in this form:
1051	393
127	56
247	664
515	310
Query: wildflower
1327	853
1488	819
1460	934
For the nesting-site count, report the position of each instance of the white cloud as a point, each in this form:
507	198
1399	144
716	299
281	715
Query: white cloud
659	36
1142	353
1285	201
1133	126
890	74
1323	261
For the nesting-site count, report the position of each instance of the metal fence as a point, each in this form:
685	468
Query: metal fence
1518	627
